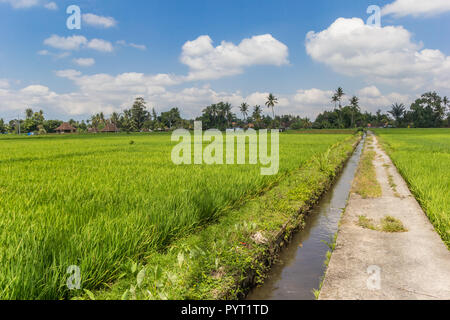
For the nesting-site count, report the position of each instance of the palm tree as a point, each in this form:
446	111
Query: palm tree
354	102
214	109
339	94
257	113
244	110
397	111
335	99
115	118
29	113
271	102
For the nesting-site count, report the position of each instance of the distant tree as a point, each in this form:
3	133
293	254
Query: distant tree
339	94
257	115
50	126
397	111
271	102
354	103
427	111
139	113
115	119
2	126
244	110
335	100
29	113
171	118
154	115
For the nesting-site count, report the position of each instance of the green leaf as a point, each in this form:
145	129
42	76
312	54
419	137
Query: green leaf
140	277
125	295
90	294
180	259
133	267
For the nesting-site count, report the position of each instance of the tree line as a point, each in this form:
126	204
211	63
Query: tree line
428	111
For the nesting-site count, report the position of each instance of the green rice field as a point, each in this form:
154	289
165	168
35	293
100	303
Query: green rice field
423	158
99	201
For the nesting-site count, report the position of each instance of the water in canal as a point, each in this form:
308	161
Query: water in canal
301	264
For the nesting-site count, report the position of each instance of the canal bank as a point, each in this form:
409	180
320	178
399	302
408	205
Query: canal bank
300	267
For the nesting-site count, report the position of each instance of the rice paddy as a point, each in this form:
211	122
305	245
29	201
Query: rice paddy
98	202
423	158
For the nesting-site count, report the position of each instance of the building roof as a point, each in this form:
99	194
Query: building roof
110	127
65	127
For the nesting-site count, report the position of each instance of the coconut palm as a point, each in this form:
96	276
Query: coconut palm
29	113
214	112
244	110
257	113
271	102
397	111
354	102
339	94
335	99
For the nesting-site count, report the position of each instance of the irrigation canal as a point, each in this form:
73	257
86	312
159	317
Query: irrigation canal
301	264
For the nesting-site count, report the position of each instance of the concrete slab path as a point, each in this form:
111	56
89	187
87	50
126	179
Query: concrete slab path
374	265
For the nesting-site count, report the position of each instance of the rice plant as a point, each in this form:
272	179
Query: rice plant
99	202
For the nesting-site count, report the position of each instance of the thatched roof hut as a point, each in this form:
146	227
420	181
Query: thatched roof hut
65	128
110	127
92	130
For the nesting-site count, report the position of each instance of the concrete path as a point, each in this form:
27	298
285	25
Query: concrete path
373	265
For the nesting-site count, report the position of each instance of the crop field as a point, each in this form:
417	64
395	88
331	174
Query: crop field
423	158
97	201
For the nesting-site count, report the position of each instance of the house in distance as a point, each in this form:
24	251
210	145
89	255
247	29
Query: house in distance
109	128
65	128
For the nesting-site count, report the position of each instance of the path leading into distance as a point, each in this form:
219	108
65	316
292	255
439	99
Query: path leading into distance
368	264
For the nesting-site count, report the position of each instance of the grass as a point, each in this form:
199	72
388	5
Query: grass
365	182
391	224
422	157
112	207
332	246
388	224
366	223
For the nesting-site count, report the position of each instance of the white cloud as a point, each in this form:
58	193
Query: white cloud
401	8
208	62
69	74
371	99
21	4
69	43
25	4
51	6
311	102
4	84
84	62
77	43
98	21
100	45
386	54
133	45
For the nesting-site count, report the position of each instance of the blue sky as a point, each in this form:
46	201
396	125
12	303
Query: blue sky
170	52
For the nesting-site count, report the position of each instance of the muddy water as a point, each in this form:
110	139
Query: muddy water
301	264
